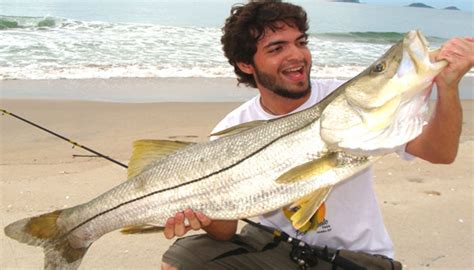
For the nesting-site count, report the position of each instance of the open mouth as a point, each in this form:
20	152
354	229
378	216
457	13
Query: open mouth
294	73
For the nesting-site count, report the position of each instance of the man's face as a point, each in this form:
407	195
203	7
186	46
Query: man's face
282	63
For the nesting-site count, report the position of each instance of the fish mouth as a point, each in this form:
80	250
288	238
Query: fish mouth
414	52
386	105
416	34
416	60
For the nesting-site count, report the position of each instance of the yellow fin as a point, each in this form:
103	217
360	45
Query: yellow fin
239	128
44	231
142	229
309	169
44	226
313	223
308	226
308	207
320	214
147	151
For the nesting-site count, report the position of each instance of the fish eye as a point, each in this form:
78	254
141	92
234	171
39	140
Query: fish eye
379	67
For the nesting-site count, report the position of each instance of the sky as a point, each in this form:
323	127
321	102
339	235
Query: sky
466	5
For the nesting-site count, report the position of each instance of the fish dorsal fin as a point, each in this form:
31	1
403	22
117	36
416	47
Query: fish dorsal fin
239	128
142	229
308	206
309	169
147	151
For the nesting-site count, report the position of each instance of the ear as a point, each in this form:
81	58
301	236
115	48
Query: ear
246	68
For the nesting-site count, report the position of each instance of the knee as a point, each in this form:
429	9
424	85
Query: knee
165	266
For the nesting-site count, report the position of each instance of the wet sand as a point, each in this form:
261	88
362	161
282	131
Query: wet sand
146	90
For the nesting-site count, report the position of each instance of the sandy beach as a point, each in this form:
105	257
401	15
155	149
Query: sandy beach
427	208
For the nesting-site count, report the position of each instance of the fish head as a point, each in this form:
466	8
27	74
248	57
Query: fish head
402	72
388	99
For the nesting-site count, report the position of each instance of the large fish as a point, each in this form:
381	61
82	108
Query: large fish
256	167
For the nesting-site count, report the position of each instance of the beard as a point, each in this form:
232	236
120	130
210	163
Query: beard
270	82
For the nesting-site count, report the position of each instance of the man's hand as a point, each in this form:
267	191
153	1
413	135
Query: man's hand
459	52
439	141
175	225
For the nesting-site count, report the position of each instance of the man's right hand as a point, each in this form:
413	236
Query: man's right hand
175	226
222	230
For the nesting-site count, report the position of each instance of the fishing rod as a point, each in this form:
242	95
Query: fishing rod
301	253
63	138
70	141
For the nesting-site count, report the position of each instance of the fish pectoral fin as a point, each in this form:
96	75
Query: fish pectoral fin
308	206
142	229
309	169
315	220
238	128
147	151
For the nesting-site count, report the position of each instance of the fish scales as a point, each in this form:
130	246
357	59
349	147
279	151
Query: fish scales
223	206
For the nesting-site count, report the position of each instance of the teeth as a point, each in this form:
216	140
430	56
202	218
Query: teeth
293	69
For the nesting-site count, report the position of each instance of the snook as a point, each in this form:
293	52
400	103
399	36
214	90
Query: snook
256	167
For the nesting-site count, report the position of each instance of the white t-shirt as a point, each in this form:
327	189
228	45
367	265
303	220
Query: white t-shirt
353	219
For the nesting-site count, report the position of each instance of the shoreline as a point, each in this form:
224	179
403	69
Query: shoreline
129	90
147	90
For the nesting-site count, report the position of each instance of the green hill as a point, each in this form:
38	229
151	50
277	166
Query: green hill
420	5
452	8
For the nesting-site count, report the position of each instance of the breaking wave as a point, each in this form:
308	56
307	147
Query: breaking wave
15	22
61	48
372	37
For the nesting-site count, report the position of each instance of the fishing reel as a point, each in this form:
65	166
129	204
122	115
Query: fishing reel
302	254
306	256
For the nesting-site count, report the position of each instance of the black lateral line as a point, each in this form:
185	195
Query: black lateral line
187	183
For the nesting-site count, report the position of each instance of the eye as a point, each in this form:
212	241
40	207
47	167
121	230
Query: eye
304	43
379	67
275	49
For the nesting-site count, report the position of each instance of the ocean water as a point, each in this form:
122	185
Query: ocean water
79	39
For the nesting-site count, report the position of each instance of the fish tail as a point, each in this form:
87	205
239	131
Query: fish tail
44	231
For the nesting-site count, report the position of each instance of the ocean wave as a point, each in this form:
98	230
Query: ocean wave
371	37
12	22
150	71
15	22
97	71
61	48
104	71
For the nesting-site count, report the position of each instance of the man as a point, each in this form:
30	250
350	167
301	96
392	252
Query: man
266	43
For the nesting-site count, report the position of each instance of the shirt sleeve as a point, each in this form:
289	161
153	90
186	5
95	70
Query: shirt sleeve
402	152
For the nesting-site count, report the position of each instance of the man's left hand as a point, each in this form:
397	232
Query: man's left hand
459	52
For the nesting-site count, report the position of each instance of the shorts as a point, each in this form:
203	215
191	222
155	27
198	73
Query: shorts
249	250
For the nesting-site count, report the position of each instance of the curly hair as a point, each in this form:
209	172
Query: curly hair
246	25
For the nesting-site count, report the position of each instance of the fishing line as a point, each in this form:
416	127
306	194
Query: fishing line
71	141
63	138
